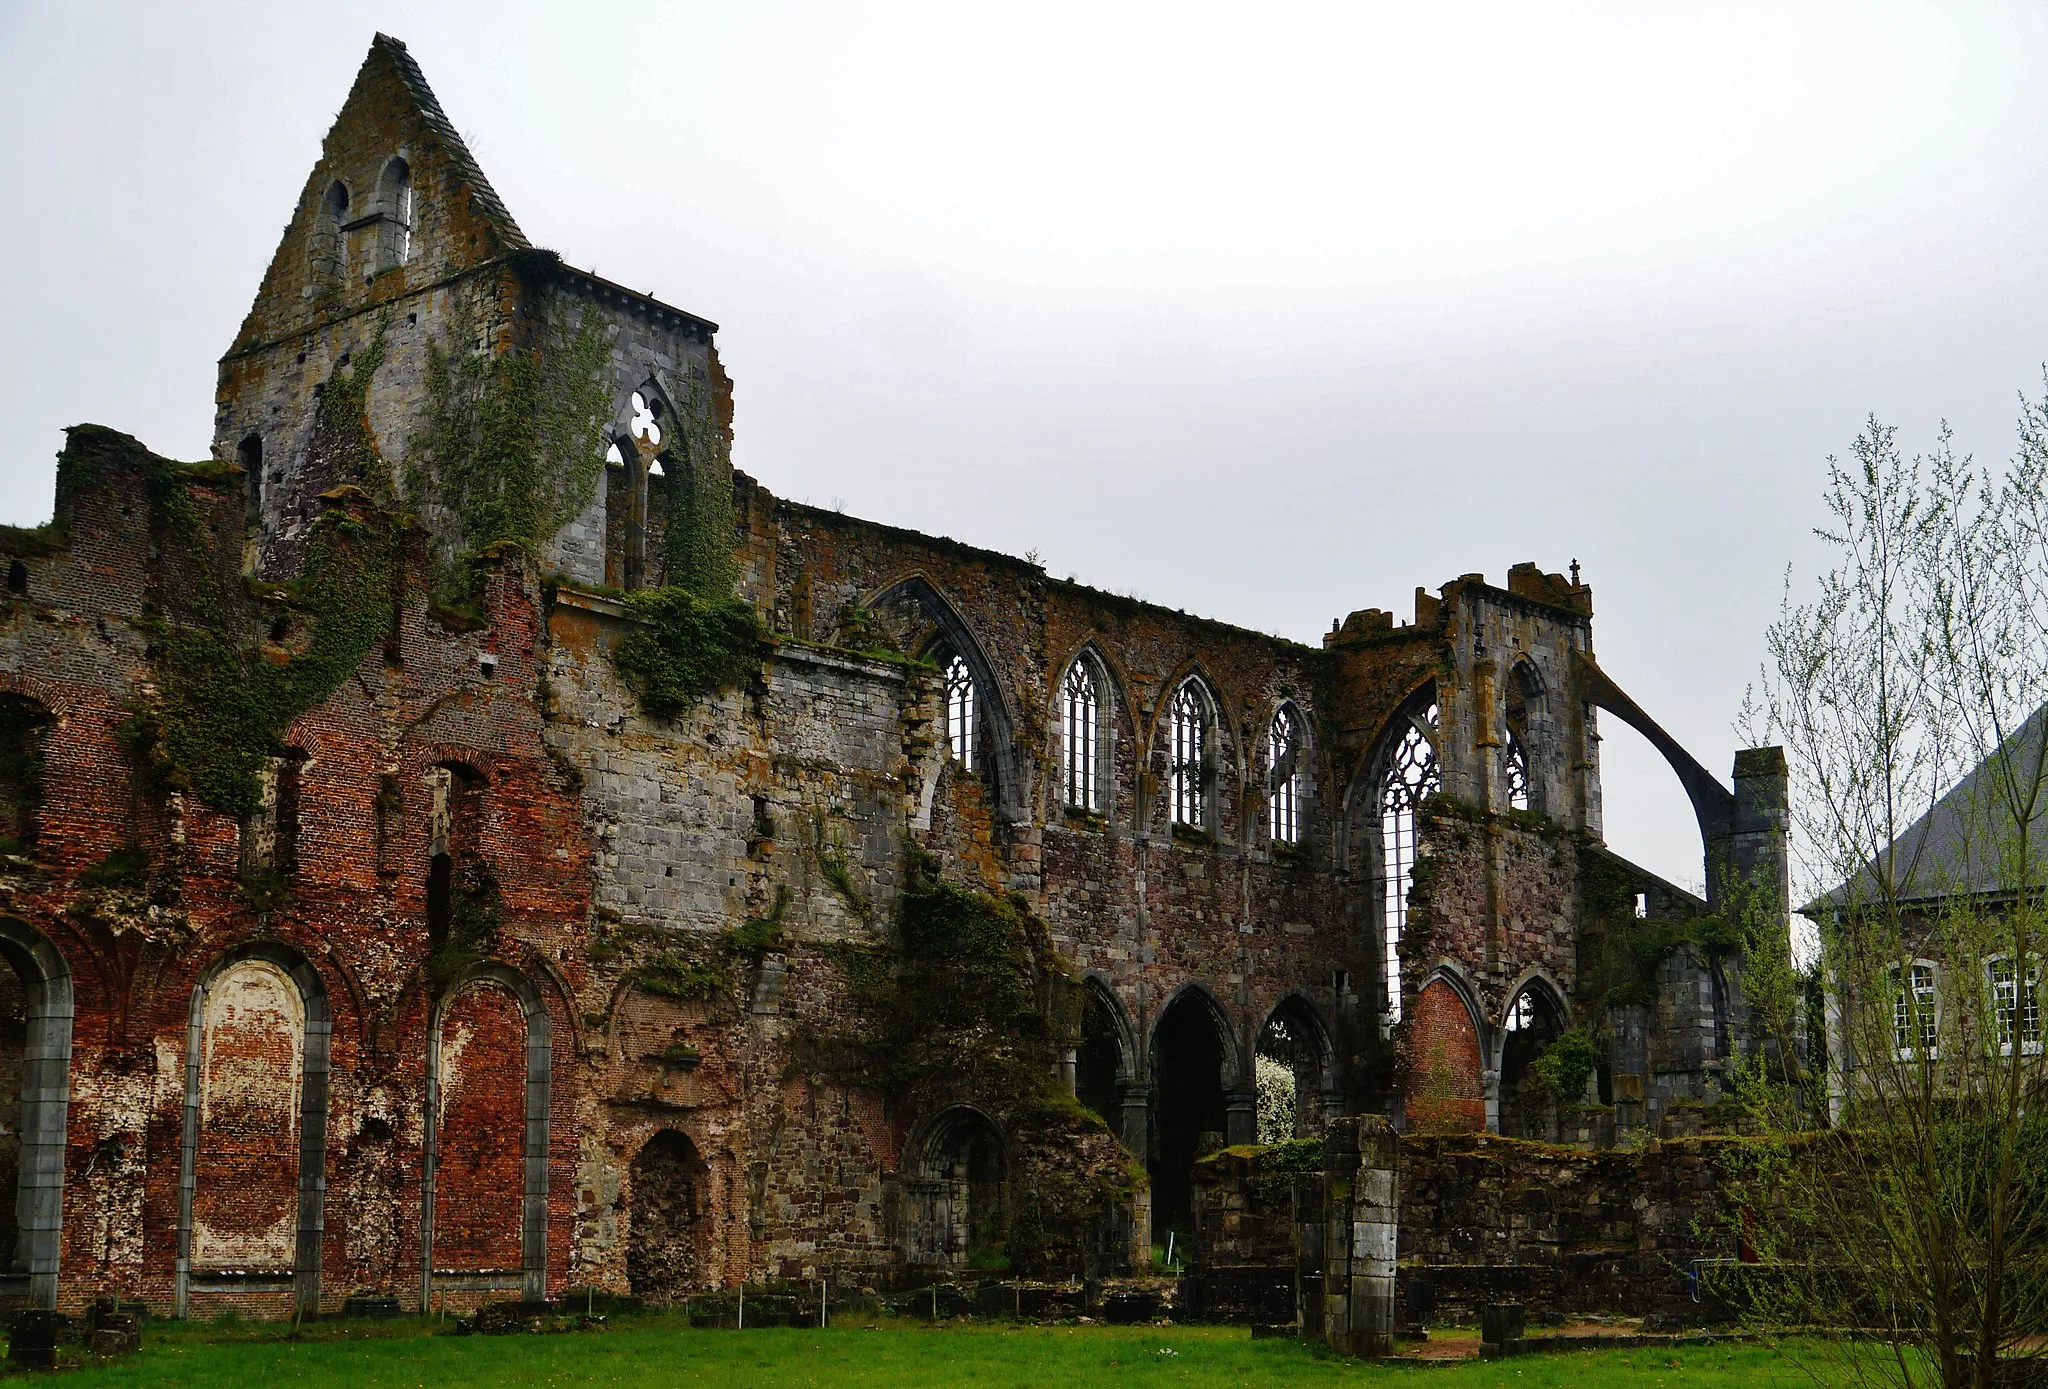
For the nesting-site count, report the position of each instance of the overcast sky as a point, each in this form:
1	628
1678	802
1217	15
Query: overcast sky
1268	312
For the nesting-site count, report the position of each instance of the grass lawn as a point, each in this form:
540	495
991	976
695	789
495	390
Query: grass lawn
901	1356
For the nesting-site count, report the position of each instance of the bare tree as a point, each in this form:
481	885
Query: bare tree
1910	1196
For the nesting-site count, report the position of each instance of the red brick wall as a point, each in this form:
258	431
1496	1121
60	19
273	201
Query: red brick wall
1445	1092
480	1171
245	1209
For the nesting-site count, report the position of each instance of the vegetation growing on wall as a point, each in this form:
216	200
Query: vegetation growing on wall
1621	953
969	1001
238	663
476	909
698	509
511	446
686	647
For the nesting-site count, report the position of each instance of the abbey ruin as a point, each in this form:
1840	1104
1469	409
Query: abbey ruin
465	842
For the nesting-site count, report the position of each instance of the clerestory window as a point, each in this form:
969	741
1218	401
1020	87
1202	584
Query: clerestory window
960	712
1412	777
1517	760
1080	736
1189	752
1283	763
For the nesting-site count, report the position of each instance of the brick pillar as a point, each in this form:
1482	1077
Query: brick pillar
1361	1225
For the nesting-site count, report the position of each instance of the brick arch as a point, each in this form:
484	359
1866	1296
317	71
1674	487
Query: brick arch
50	695
1446	1087
481	1226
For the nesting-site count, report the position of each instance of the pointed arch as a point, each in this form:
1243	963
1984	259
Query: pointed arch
1295	1031
1287	759
1401	773
1527	749
1106	1061
995	708
1190	731
1448	1041
1084	719
1235	1072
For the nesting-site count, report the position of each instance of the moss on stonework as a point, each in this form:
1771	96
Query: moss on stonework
238	662
672	974
687	647
510	448
969	1001
124	867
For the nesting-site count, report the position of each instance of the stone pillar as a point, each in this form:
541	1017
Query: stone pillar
1628	1065
1134	1122
1760	895
1361	1226
1241	1117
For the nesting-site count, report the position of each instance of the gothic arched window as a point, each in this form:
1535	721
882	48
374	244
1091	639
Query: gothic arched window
960	712
1412	777
1283	762
1189	766
1517	760
1080	735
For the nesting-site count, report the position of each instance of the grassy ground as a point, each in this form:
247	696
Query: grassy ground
900	1356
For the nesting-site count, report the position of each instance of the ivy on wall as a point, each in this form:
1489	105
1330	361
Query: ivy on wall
969	1000
697	544
686	647
510	447
238	662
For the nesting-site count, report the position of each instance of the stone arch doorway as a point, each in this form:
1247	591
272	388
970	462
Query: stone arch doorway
959	1197
1192	1076
1102	1066
669	1220
1534	1019
1297	1088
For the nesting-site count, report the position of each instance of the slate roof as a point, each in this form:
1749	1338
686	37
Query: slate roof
1953	848
480	189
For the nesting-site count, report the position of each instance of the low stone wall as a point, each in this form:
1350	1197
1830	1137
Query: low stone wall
1482	1219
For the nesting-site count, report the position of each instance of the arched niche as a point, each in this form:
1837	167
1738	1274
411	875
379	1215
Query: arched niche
530	1139
669	1225
40	1024
1447	1047
958	1200
252	1166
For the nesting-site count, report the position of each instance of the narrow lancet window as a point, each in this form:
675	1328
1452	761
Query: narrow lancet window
1283	749
397	199
1080	707
960	712
1517	759
1190	753
1412	777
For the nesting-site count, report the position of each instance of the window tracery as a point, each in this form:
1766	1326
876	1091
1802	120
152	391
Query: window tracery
960	712
1517	759
1283	807
1080	710
1412	777
1190	756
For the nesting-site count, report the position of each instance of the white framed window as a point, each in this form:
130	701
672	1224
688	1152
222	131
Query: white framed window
1283	763
1081	736
960	712
1916	1001
2016	1003
1412	777
1190	756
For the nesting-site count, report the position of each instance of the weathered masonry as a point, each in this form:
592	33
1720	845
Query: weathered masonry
464	841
